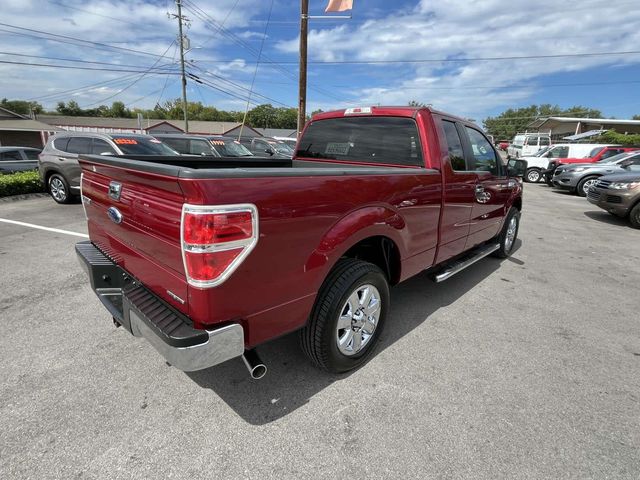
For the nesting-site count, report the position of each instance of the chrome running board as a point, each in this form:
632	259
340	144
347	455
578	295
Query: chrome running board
458	265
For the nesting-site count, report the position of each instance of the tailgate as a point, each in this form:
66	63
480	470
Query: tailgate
134	217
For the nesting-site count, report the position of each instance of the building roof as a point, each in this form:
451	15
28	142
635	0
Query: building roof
549	122
277	132
26	125
195	126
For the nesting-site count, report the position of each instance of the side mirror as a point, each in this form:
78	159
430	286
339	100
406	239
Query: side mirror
269	151
516	168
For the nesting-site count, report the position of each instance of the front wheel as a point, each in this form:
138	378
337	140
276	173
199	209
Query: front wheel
585	184
508	234
348	316
634	216
532	175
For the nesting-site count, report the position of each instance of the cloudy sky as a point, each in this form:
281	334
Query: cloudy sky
448	53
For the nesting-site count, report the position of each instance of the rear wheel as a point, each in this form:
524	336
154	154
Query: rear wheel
59	188
584	185
348	316
533	175
634	216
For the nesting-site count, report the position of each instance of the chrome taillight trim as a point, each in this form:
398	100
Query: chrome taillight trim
247	244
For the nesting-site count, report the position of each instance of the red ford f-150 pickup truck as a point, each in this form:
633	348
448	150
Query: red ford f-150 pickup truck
208	258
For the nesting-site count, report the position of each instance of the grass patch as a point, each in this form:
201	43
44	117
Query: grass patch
20	183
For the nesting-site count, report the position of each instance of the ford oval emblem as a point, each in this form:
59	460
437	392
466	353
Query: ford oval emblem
114	215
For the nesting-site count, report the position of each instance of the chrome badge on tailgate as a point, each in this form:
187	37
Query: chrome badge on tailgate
115	189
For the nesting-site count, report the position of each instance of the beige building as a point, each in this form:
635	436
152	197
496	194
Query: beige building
561	127
21	131
146	125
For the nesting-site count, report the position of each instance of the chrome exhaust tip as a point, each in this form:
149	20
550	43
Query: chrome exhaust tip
252	361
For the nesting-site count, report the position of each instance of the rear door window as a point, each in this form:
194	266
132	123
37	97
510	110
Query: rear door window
383	140
454	146
31	154
61	143
79	145
199	147
544	141
180	145
11	155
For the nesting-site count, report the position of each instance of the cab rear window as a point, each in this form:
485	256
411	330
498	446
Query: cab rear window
384	140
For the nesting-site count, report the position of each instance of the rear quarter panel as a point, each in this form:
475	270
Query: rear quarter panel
306	224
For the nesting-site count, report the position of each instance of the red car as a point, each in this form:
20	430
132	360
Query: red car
208	259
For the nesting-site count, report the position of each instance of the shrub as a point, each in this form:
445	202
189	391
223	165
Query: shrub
20	183
612	136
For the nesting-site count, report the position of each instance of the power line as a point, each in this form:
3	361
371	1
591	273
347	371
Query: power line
74	67
135	81
93	13
255	72
94	62
66	38
441	60
208	20
86	87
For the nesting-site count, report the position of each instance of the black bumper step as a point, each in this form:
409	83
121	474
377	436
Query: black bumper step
121	294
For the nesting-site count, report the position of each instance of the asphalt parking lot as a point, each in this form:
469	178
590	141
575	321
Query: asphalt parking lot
523	368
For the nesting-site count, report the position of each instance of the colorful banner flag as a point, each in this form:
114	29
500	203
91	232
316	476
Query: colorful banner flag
339	5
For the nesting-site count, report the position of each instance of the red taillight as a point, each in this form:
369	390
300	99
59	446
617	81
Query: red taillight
215	240
210	228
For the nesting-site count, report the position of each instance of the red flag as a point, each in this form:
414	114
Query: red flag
339	5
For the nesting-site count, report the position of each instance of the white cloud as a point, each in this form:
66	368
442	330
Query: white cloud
449	29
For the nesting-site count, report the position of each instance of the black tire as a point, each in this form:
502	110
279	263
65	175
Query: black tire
59	189
318	338
532	175
634	216
580	188
507	247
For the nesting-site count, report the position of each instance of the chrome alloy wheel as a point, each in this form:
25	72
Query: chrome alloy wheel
588	184
533	176
510	237
358	320
58	190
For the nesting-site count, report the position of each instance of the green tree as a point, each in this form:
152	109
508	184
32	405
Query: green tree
415	103
635	117
71	108
21	107
119	110
262	116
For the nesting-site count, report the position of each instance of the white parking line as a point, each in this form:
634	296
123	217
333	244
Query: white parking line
40	227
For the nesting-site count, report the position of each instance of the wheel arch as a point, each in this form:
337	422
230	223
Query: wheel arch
374	234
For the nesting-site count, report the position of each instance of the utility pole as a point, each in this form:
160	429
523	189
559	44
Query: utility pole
181	40
302	85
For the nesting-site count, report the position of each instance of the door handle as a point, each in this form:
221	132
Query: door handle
61	159
481	195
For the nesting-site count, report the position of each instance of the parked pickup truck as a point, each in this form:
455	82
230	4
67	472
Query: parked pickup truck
208	260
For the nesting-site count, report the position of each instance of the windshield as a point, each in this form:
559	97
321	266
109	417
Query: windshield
142	145
594	152
616	158
230	148
541	151
282	147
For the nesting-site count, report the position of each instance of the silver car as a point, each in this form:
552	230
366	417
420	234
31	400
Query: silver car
58	162
580	177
